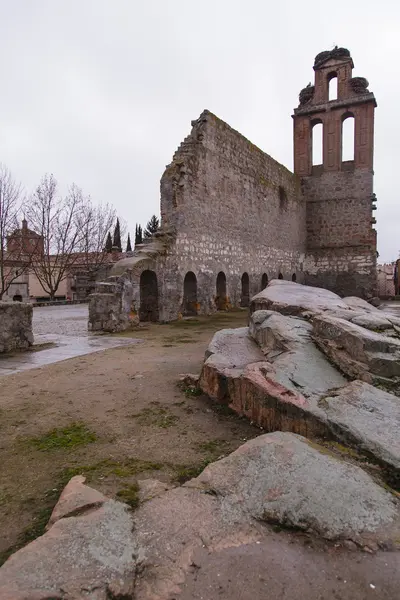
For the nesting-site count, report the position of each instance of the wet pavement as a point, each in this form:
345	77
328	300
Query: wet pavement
65	328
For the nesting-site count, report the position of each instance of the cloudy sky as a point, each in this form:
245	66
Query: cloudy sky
101	92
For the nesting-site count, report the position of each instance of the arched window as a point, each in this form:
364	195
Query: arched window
221	299
264	281
348	137
333	86
148	296
189	295
245	295
317	157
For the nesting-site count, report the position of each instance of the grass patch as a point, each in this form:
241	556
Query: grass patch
178	339
213	447
184	473
38	524
76	434
127	468
190	391
157	417
130	495
5	498
107	467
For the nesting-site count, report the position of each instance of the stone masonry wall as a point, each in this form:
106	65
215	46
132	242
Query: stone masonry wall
15	326
341	243
234	209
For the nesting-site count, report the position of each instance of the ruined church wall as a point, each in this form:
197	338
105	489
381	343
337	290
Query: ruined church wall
341	242
234	209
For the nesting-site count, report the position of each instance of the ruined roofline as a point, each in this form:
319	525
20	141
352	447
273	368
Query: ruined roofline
205	116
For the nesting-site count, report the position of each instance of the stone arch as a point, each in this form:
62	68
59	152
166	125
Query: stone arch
245	295
317	135
348	137
280	276
190	307
17	298
333	82
294	277
264	281
148	296
221	299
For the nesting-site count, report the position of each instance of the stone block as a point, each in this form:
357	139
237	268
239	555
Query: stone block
15	326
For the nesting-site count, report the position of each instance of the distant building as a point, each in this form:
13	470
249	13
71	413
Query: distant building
386	279
22	246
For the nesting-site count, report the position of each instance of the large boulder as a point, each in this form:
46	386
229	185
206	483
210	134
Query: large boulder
290	369
97	549
358	352
290	298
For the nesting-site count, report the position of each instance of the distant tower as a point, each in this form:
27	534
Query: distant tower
341	242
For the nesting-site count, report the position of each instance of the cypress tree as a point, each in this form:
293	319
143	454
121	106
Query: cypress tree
138	235
152	226
108	247
128	244
117	237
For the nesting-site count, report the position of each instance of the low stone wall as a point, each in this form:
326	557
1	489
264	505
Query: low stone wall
15	326
111	306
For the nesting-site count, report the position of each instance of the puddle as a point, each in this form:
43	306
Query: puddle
62	347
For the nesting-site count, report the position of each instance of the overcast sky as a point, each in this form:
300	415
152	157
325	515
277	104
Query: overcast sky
101	92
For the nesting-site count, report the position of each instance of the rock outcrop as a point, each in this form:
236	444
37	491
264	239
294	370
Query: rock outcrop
307	365
254	500
294	513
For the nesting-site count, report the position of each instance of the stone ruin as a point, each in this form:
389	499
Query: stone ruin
314	494
15	326
233	218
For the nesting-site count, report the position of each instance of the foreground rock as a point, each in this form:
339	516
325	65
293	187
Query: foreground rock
288	373
227	516
15	326
89	555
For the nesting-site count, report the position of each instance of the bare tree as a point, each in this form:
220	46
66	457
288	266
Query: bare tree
14	260
60	222
95	224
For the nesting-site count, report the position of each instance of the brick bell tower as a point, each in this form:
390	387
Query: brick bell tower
341	241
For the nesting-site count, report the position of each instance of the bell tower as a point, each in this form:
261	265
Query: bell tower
338	190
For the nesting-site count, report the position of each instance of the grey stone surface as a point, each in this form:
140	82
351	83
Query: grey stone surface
360	304
291	298
297	363
15	326
291	386
367	417
283	478
75	499
373	321
79	557
357	351
106	551
236	345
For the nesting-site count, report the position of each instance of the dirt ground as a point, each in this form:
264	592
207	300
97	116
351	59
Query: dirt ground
115	416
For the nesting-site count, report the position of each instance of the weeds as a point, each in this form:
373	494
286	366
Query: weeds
107	467
186	472
130	495
213	447
76	434
158	417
